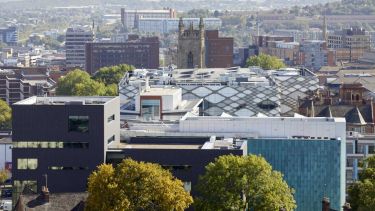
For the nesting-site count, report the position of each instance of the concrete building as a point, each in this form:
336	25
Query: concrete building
9	35
289	52
21	83
75	46
315	54
62	138
300	36
350	44
139	52
128	17
203	48
170	25
263	40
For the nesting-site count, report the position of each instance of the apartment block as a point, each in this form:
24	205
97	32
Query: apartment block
75	46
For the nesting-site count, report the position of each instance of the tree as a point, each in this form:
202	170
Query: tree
3	177
5	115
113	74
265	61
362	193
66	85
135	185
243	183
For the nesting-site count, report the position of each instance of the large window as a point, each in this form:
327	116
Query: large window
27	163
150	109
112	138
50	144
79	124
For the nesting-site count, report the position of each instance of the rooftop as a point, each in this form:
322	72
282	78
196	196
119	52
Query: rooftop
71	100
158	91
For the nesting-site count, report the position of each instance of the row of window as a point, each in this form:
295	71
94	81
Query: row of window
67	168
51	145
32	164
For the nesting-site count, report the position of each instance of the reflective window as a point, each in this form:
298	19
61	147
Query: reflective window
67	168
150	109
111	118
50	145
27	163
79	124
111	139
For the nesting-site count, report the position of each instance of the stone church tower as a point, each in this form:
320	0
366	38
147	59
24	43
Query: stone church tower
191	46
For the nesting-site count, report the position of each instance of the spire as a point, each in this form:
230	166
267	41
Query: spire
201	23
181	24
324	30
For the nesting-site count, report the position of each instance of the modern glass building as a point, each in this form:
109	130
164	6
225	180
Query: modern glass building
314	168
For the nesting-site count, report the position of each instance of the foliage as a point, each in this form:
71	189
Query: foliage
362	193
135	185
198	13
5	115
225	179
265	61
79	83
3	176
113	74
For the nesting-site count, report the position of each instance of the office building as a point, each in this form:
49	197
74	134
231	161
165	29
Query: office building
139	52
9	35
203	48
128	17
263	40
315	54
298	35
350	44
20	83
287	51
75	46
170	25
62	138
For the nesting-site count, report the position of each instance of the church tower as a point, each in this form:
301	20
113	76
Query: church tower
191	45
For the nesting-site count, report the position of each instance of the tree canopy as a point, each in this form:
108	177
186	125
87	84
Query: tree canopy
243	183
5	115
3	176
265	61
362	193
79	83
113	74
134	186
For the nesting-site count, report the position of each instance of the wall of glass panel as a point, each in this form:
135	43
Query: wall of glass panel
50	144
27	163
311	167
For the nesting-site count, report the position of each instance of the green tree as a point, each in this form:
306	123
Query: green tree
5	115
66	84
362	193
265	61
135	186
243	183
113	74
3	177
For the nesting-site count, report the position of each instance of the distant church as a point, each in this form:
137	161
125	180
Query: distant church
203	48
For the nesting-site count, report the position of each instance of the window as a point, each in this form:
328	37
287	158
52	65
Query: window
150	109
27	163
50	145
190	63
67	168
19	185
267	105
111	118
187	186
111	139
79	124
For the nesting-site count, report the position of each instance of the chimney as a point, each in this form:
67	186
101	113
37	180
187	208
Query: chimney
347	207
44	195
325	204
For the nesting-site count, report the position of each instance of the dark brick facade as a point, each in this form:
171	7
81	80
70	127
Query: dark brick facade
219	50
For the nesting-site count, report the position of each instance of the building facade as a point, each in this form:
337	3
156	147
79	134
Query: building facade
62	140
75	46
139	52
9	35
315	54
170	25
203	48
128	17
350	44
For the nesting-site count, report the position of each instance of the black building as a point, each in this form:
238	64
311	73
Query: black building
185	157
64	138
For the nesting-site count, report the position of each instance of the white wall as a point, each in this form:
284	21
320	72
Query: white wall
5	154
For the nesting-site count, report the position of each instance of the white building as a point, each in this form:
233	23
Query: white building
167	25
128	16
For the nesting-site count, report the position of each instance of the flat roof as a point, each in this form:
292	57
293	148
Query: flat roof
67	100
157	146
160	91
